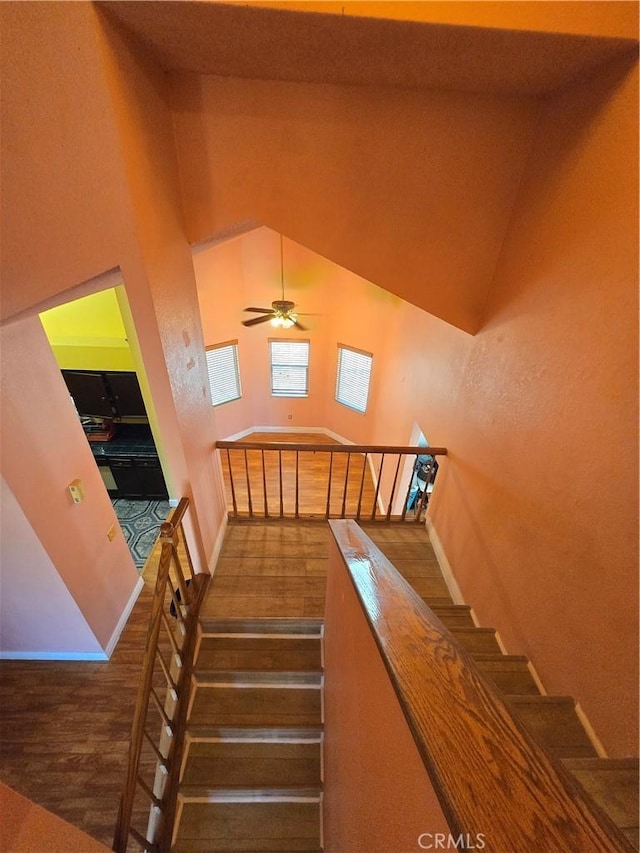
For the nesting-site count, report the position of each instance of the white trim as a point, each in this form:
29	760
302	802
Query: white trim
321	430
217	545
122	621
173	502
591	734
88	656
443	562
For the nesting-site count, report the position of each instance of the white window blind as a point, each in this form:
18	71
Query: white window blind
289	368
224	375
354	375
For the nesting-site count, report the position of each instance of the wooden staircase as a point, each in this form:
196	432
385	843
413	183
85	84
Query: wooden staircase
553	720
251	775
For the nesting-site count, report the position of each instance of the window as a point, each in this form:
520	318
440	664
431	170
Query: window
289	368
224	375
354	373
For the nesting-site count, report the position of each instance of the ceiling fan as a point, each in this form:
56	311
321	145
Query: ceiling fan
282	314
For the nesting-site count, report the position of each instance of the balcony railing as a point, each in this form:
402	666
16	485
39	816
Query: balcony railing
289	480
148	802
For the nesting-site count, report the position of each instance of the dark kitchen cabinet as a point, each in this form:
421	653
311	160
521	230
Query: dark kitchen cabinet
126	394
89	393
138	477
106	394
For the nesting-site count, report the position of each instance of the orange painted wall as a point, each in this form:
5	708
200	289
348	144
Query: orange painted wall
425	180
64	211
38	465
161	285
539	514
378	795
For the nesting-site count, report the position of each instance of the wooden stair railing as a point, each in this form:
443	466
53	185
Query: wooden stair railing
157	733
492	779
267	480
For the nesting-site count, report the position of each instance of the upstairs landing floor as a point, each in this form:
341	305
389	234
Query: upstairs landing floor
279	568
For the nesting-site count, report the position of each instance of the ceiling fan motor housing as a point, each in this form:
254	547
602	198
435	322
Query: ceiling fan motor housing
283	306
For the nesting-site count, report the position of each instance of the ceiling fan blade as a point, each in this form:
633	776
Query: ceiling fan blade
260	310
299	325
257	320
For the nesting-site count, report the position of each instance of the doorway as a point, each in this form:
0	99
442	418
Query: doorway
90	343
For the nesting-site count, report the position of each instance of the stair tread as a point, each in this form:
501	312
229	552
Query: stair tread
242	764
554	722
254	825
259	653
256	705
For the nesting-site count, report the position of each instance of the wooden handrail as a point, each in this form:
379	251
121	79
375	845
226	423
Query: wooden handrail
246	470
172	703
490	776
405	450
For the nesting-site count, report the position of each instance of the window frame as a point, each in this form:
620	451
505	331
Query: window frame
233	346
344	402
289	393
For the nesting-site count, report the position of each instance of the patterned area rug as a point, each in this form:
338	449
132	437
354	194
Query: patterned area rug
140	522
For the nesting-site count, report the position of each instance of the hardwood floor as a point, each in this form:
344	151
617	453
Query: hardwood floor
275	569
348	486
65	728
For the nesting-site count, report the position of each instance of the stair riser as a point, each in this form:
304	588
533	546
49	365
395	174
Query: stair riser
454	620
477	641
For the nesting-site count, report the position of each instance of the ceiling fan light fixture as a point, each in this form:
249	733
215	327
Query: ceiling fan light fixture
289	321
277	321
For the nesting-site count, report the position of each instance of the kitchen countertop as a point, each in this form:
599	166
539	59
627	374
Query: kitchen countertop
129	440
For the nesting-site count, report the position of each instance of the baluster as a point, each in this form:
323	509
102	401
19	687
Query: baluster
393	488
264	487
405	508
233	491
297	485
182	538
346	479
423	498
280	476
329	484
364	471
375	497
246	471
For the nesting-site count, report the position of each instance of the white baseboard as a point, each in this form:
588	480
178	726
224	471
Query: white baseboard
591	734
321	430
80	656
443	562
122	621
173	502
